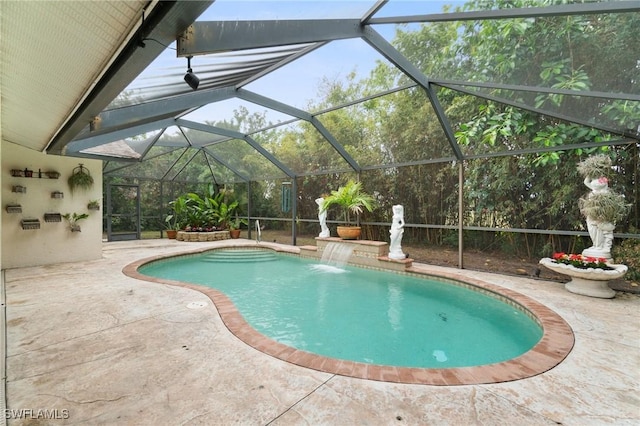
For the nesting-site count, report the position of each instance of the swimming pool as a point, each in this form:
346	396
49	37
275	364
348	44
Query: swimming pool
414	350
357	314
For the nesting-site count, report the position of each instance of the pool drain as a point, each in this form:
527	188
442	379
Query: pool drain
196	305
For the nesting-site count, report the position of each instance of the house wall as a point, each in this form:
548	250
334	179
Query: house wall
53	242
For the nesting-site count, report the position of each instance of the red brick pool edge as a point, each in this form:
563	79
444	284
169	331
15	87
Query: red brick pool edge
554	346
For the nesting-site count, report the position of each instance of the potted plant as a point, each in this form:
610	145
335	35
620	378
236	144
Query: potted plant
80	179
176	220
605	207
93	205
73	219
234	226
223	211
601	207
352	200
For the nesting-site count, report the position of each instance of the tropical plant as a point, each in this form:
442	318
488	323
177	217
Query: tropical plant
73	219
237	222
178	219
223	211
93	205
351	199
199	211
194	211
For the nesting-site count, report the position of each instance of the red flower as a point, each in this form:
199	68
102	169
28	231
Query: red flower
580	261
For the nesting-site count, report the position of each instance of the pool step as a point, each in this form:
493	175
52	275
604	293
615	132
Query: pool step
239	256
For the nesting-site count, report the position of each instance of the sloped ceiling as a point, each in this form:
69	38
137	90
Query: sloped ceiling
52	53
58	57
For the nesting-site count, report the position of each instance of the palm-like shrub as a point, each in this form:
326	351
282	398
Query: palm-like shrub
351	199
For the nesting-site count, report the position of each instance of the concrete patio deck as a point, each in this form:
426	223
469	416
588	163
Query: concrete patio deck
93	346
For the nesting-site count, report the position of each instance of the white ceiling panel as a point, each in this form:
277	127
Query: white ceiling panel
53	52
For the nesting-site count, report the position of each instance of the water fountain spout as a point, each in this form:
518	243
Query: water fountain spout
334	258
337	254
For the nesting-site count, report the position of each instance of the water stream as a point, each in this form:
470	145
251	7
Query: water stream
334	258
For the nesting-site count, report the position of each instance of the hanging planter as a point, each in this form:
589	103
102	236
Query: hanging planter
30	224
52	217
14	208
80	179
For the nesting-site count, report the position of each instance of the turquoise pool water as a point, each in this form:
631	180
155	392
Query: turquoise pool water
358	314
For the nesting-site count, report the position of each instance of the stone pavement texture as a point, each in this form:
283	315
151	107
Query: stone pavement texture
94	346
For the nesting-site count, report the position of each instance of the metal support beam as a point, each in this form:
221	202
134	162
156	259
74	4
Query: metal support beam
273	104
303	115
106	158
160	109
225	164
203	38
510	13
186	163
461	214
233	134
249	205
376	41
535	89
164	176
215	157
336	145
165	21
280	64
206	158
236	135
631	133
268	156
91	141
233	170
294	211
372	11
152	144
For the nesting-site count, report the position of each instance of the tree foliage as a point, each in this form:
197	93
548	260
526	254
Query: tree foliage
523	145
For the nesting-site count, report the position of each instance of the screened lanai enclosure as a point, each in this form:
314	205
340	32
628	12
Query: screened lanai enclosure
472	115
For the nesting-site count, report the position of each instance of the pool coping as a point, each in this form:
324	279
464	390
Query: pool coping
556	343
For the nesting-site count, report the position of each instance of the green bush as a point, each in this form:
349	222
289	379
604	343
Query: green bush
628	253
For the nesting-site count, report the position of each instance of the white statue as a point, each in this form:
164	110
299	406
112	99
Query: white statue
322	216
601	233
397	229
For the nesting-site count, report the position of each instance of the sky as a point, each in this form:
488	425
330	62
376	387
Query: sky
296	83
